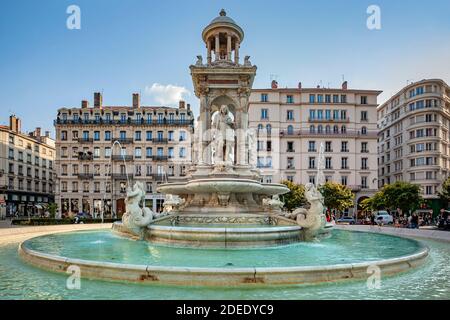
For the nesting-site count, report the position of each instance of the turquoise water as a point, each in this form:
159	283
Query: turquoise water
432	281
341	247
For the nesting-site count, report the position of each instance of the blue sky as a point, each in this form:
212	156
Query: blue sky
127	46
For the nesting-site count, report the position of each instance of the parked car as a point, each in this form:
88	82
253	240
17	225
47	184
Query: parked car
346	219
383	217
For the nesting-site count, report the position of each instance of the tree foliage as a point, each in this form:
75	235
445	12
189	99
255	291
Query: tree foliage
445	193
52	208
296	197
336	196
403	195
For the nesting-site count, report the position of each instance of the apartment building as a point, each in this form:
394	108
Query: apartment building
413	138
292	124
103	149
26	170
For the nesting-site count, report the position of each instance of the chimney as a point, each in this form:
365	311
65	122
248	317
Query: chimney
189	106
274	84
98	100
47	134
344	85
14	123
136	100
299	85
37	132
182	104
84	104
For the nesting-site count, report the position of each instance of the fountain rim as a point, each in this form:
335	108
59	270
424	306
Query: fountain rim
207	276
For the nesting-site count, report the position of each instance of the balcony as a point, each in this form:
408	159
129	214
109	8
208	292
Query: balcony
290	150
160	158
347	134
346	120
312	150
128	121
81	156
122	140
118	157
120	176
160	140
345	150
85	176
355	188
85	140
364	151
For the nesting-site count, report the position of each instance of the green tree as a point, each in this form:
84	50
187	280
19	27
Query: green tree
403	195
336	196
296	197
445	193
376	202
52	208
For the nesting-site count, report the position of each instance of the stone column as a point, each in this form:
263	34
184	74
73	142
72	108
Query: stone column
208	46
229	47
236	52
217	50
204	127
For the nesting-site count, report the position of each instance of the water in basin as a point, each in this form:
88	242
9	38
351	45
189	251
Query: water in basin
341	247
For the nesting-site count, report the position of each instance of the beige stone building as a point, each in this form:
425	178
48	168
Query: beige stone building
26	170
292	123
101	148
413	138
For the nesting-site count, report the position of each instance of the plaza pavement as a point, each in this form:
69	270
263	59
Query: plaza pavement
427	233
18	233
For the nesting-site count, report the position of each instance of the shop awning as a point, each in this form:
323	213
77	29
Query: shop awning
38	206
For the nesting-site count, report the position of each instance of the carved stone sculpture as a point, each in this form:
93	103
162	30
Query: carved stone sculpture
172	204
313	219
223	136
274	204
136	216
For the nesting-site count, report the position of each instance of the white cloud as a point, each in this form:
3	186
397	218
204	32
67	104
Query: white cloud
167	94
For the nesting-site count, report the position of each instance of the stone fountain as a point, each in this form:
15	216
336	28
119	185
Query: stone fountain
222	201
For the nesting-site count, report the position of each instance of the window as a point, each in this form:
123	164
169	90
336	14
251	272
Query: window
107	135
268	129
149	135
312	129
320	114
364	183
328	146
363	99
290	163
290	130
96	152
64	135
107	152
138	152
320	98
182	152
170	136
344	163
290	146
312	98
364	147
343	98
264	97
312	162
312	114
11	154
364	164
363	130
327	114
289	99
327	98
328	163
96	135
137	136
364	116
344	180
149	152
182	136
312	146
137	170
160	152
123	135
264	114
290	115
335	114
335	98
170	153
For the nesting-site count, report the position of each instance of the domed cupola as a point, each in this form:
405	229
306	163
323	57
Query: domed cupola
223	37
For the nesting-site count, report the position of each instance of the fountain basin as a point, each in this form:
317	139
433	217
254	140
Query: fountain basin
303	263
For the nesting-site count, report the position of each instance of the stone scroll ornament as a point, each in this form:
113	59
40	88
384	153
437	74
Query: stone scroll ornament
137	216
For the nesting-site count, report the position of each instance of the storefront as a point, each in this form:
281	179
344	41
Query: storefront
23	204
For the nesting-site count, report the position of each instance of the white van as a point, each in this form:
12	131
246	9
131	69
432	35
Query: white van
383	217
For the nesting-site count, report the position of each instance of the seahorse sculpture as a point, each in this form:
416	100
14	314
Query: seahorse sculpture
313	219
137	216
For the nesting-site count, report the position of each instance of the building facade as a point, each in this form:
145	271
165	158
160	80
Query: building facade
413	138
26	170
292	124
102	149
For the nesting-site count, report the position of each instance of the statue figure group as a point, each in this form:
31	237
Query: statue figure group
136	216
223	130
